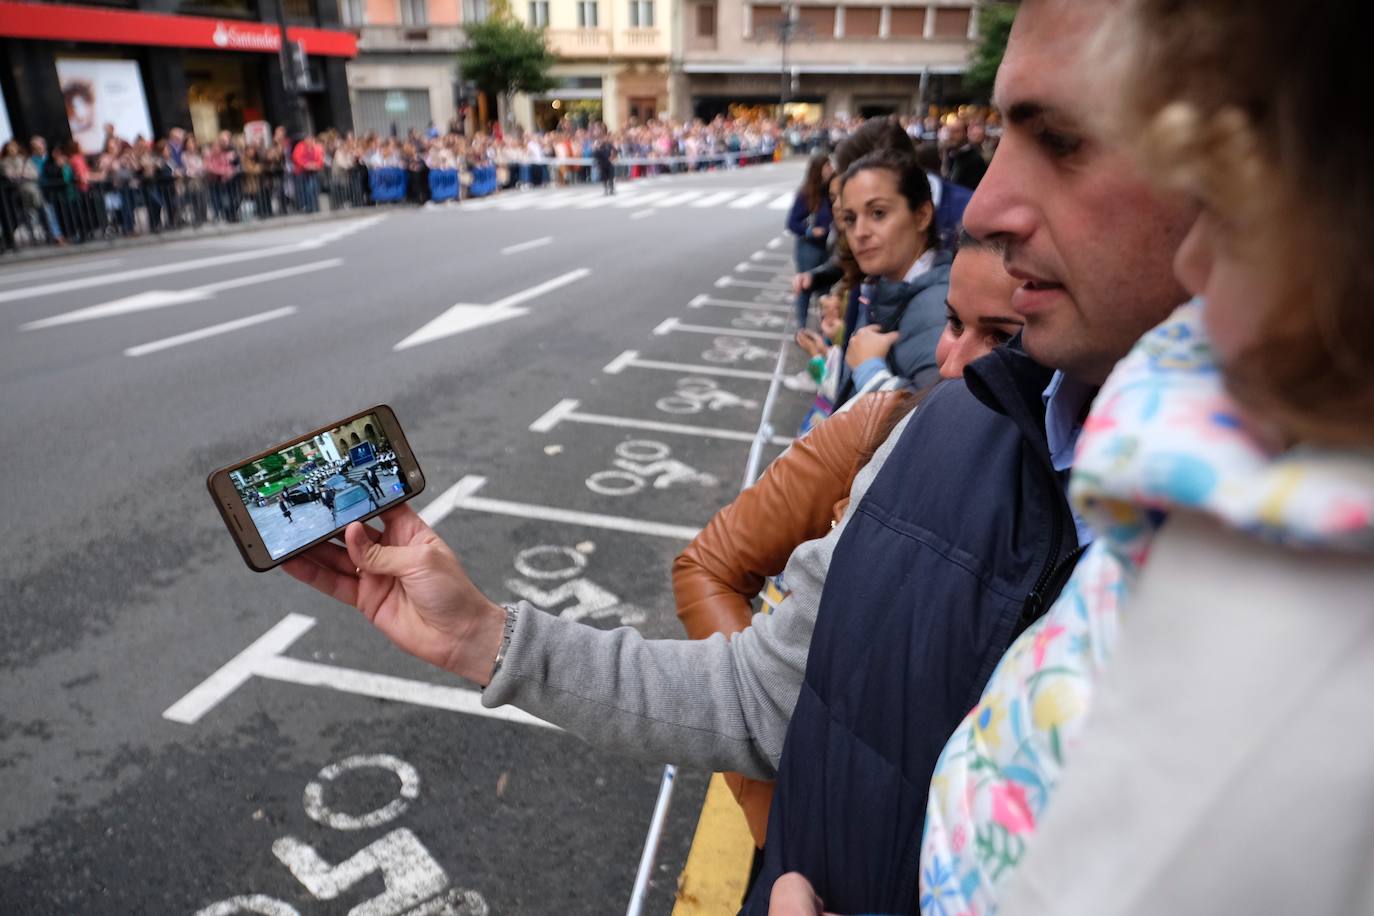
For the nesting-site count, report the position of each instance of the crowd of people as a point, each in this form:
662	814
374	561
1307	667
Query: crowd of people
1077	613
56	194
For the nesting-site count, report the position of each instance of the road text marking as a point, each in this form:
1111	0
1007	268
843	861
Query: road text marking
669	325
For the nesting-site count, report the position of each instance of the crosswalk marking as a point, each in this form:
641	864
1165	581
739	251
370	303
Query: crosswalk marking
675	200
752	199
634	198
714	200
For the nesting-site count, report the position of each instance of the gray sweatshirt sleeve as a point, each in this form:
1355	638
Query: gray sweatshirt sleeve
717	703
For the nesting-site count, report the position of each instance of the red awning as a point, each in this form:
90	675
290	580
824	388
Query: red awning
65	22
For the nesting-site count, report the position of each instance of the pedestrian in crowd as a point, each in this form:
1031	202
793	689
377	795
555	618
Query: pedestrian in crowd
285	505
47	175
307	159
605	164
809	220
327	497
957	535
889	223
963	161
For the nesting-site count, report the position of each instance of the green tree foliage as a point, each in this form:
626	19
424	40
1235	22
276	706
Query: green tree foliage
297	456
274	462
504	57
994	25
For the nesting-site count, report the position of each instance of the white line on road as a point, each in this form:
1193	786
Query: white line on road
713	200
642	213
675	200
528	246
775	243
634	200
212	331
602	200
183	266
699	301
461	496
566	410
65	270
669	325
770	256
752	199
752	284
263	658
784	202
630	360
777	270
163	298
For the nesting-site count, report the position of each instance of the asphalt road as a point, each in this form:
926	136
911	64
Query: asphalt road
286	785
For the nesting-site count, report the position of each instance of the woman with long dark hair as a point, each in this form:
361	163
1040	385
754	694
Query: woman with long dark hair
810	221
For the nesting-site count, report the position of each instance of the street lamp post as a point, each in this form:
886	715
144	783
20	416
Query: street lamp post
786	29
295	123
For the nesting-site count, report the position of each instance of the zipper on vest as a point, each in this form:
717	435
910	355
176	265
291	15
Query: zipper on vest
1035	601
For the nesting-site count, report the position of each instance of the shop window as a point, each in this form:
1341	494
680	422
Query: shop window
353	12
907	22
816	21
951	22
475	10
586	14
539	14
236	8
706	20
862	21
300	11
641	14
414	12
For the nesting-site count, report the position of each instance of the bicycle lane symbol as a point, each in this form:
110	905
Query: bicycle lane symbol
696	394
641	461
552	575
414	884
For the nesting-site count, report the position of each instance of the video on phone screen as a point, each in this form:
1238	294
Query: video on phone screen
307	490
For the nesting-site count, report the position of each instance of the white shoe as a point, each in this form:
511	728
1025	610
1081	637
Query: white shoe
802	381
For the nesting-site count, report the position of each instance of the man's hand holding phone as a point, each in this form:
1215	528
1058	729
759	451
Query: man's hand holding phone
412	587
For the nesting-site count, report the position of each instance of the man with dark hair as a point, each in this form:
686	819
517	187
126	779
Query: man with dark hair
963	162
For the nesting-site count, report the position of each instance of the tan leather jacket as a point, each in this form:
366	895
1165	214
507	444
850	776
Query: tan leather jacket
799	497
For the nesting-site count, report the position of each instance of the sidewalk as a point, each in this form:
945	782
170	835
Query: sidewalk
206	231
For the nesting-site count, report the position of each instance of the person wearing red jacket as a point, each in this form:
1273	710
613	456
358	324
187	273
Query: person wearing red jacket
308	158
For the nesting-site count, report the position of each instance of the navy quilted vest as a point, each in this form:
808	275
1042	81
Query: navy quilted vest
949	555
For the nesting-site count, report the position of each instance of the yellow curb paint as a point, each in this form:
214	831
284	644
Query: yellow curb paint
717	869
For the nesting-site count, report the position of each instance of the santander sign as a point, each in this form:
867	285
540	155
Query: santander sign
238	38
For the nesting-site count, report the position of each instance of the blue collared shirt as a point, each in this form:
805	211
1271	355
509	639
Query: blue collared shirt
1065	399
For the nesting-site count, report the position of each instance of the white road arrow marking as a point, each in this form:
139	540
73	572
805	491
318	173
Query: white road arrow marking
465	315
163	298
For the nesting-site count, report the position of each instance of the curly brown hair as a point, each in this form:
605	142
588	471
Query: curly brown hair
1260	109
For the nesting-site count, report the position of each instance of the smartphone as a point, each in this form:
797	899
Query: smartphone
290	497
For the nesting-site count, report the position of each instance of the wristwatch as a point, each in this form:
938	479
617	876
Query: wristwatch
512	614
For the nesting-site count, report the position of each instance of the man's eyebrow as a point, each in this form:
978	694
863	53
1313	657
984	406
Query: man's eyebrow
1021	113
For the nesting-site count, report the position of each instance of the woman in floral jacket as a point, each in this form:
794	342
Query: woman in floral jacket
1214	650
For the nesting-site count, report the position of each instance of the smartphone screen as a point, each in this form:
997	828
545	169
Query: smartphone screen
310	488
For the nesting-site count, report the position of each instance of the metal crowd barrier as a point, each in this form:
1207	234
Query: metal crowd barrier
33	214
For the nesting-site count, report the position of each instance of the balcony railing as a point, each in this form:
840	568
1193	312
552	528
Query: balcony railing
579	42
641	40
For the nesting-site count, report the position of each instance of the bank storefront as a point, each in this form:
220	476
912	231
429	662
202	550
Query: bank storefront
70	70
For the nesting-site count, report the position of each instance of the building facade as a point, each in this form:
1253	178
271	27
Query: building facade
613	60
147	66
406	73
842	57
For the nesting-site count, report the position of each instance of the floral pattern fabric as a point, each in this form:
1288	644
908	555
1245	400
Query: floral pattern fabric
1163	434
